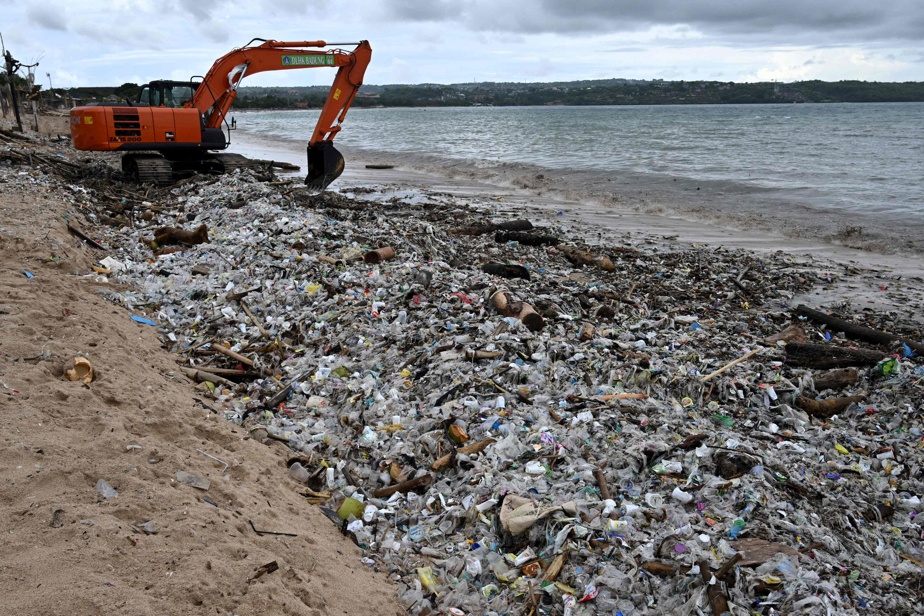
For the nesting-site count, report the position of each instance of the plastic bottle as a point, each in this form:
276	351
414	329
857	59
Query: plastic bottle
737	526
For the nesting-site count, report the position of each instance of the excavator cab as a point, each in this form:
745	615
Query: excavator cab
167	93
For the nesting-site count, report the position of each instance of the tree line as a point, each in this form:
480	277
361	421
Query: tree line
596	92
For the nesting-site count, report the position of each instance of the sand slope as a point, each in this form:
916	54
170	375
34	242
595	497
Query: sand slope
68	550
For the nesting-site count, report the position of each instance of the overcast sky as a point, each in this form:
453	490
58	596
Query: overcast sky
94	42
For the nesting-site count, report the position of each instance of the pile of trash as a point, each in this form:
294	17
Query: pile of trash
517	416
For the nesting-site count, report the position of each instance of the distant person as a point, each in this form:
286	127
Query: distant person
233	123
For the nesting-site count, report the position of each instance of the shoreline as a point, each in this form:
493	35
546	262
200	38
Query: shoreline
887	282
877	213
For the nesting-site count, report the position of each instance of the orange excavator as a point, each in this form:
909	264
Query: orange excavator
174	128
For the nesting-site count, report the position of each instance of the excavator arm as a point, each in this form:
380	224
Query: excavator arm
216	93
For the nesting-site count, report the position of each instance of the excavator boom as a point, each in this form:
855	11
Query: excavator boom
184	135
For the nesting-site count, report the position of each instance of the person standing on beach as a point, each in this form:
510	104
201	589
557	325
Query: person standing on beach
233	123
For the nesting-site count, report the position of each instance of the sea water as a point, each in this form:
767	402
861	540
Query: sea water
802	169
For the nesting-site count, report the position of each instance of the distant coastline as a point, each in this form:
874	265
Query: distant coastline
572	93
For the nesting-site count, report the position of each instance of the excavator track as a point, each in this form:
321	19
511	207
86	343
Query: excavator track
148	168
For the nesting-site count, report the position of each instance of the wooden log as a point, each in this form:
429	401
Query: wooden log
823	409
794	333
166	236
199	376
239	295
735	362
717	598
233	355
475	447
587	332
405	486
620	396
525	238
855	331
825	356
663	569
554	569
578	256
385	253
84	237
228	372
725	568
255	320
517	309
836	379
505	271
601	483
481	354
482	229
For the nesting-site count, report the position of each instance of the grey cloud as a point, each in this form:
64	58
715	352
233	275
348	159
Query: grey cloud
205	14
427	10
805	20
47	16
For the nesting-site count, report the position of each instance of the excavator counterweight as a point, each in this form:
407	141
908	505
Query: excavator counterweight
175	128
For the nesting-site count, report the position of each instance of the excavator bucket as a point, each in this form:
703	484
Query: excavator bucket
325	164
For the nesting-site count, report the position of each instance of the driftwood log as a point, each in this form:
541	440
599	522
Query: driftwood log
857	332
509	225
826	356
166	236
378	255
410	485
509	307
200	375
836	379
475	447
525	238
505	271
578	256
823	409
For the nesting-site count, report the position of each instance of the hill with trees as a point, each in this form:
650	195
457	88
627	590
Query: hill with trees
591	92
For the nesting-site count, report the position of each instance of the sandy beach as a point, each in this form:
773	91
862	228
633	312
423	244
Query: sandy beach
133	494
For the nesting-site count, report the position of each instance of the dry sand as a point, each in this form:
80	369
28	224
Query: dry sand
66	549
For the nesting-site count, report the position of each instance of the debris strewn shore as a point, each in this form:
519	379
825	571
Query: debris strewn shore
505	410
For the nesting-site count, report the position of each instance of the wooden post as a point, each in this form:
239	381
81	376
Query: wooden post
11	66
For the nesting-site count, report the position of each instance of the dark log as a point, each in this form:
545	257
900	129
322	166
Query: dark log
85	237
527	239
663	569
505	271
509	225
825	356
836	379
857	332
